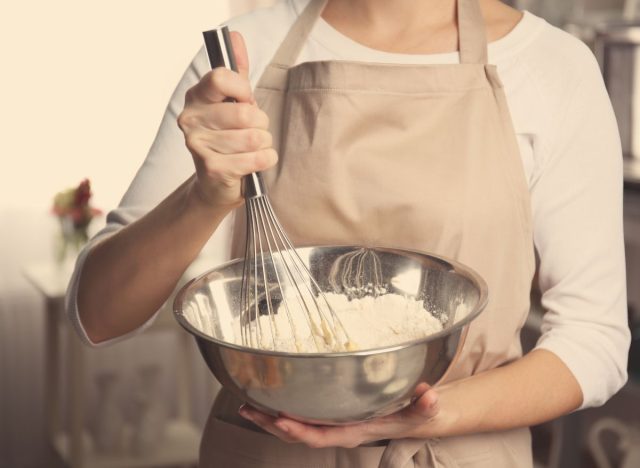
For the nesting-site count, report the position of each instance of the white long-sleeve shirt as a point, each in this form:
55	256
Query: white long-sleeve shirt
569	146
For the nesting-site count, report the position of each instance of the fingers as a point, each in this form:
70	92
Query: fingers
409	422
426	406
227	140
219	84
234	141
292	431
230	167
241	141
421	388
239	115
222	83
321	436
229	129
223	116
266	422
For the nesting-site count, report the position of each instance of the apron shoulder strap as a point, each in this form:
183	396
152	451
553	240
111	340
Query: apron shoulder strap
472	35
295	39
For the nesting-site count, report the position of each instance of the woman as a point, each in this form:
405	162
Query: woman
387	136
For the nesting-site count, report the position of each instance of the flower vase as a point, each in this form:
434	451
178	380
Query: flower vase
71	239
73	209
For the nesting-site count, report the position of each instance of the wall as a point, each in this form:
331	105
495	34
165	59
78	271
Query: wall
84	85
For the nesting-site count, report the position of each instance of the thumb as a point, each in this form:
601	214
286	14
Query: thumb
240	52
427	404
424	402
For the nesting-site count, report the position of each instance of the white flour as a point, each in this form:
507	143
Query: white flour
370	323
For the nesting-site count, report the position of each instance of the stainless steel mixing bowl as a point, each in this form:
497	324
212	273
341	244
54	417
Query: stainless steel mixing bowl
341	387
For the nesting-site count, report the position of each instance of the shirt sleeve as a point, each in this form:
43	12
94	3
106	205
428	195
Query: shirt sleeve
578	234
166	166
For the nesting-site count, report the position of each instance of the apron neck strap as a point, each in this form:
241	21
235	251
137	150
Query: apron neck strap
290	48
471	33
472	36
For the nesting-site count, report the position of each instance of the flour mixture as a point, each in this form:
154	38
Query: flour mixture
371	322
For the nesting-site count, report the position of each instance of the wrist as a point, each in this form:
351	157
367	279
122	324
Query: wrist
199	198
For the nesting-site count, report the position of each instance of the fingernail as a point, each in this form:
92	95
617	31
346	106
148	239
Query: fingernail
282	426
244	413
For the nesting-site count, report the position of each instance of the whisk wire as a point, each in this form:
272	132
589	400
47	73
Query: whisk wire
267	290
254	273
329	334
244	290
274	255
287	271
271	256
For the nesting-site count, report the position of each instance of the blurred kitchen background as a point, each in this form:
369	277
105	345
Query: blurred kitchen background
84	85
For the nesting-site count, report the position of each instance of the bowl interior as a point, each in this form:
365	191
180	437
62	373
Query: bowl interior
209	306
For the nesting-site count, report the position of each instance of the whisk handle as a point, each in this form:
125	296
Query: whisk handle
219	49
217	42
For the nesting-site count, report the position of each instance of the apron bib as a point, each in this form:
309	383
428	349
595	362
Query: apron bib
419	157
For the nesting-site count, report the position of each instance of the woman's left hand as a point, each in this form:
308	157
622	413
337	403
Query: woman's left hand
409	422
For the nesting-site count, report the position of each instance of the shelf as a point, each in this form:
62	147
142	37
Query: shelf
49	278
180	447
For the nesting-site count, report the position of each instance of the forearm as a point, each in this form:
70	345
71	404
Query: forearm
536	388
128	276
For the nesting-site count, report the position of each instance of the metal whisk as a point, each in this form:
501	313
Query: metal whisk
275	279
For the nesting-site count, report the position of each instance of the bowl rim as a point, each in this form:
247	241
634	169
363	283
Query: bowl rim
455	265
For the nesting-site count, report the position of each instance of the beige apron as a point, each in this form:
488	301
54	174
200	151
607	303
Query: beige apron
414	156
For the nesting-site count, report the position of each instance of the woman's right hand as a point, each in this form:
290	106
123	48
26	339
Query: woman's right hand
226	139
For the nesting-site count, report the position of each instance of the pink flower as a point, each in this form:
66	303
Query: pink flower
74	204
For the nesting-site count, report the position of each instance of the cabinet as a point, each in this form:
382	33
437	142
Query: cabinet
180	446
